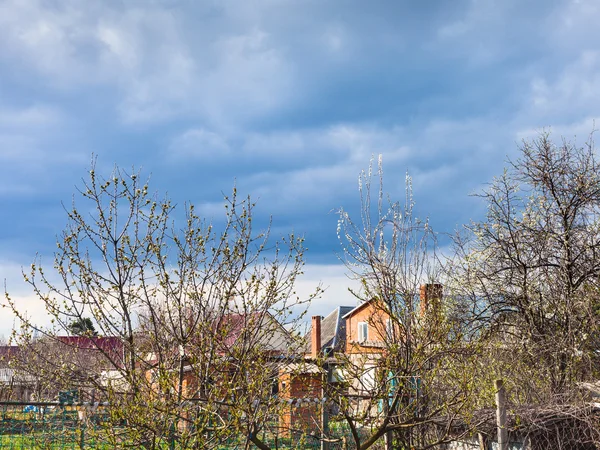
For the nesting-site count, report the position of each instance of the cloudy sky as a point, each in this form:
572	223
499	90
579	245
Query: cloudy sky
288	98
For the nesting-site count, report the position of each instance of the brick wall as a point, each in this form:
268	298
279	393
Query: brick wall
300	416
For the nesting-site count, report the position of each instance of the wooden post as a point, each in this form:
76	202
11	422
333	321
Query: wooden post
481	441
388	436
501	415
324	411
388	440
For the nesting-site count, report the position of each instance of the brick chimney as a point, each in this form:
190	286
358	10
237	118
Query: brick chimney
430	296
315	337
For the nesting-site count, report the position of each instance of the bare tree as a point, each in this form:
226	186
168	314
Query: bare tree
403	382
190	320
531	267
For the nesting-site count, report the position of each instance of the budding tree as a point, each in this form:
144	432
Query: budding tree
189	320
404	382
532	266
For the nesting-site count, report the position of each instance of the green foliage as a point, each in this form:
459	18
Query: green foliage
83	327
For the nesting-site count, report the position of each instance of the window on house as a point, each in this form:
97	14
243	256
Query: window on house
363	331
389	328
367	378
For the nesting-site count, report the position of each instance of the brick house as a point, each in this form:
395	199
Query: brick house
351	342
369	326
301	382
211	359
236	334
370	330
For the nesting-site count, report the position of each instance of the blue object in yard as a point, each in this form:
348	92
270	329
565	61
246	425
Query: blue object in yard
31	408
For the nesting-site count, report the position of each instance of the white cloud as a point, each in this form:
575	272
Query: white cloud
321	163
578	131
345	143
324	163
198	143
30	306
330	277
21	294
250	77
211	210
574	26
481	35
122	48
335	38
29	117
157	59
573	93
333	279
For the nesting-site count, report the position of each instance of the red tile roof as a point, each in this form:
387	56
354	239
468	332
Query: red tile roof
111	346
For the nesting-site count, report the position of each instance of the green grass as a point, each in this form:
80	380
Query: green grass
52	432
62	431
69	441
43	441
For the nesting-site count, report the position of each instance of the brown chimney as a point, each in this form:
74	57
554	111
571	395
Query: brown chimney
315	337
430	295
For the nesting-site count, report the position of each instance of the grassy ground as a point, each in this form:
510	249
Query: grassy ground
66	442
62	431
44	442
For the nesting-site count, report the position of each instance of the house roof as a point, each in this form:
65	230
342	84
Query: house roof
263	329
333	330
353	311
8	350
228	332
111	346
432	290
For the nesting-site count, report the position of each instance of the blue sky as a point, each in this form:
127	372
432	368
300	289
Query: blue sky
288	98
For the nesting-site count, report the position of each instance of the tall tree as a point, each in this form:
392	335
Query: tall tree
532	266
192	318
407	387
83	327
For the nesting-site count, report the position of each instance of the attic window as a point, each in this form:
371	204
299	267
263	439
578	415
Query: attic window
363	331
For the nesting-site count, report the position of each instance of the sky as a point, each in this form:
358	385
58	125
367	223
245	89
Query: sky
287	99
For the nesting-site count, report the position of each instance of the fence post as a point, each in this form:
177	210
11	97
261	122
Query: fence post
82	437
324	411
172	437
501	415
482	442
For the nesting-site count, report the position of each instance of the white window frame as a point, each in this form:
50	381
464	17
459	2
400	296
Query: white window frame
389	328
363	331
367	378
